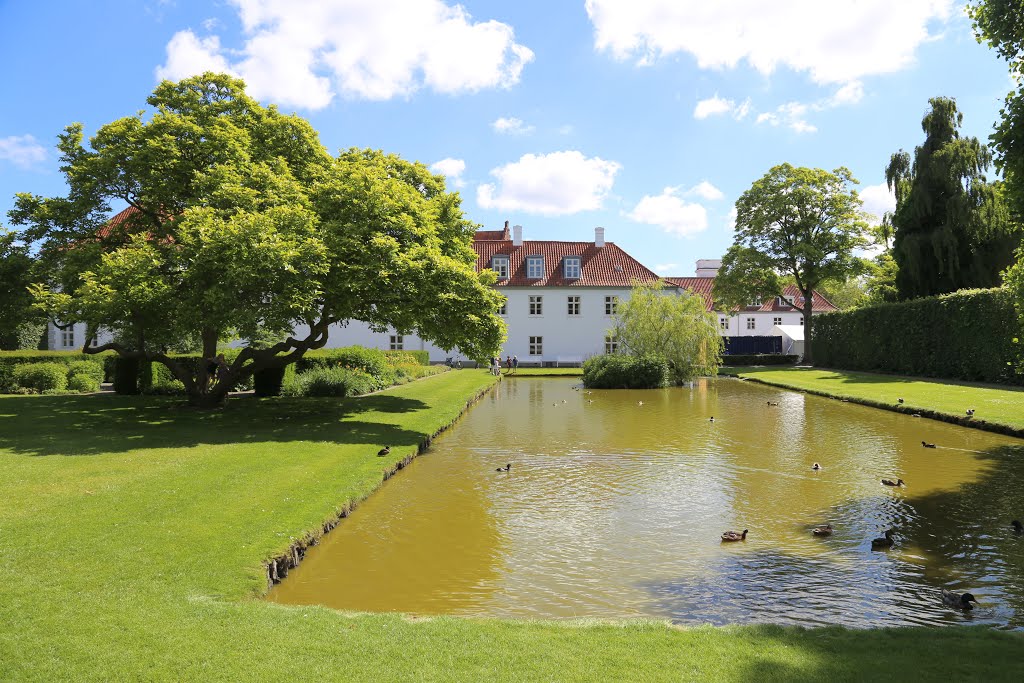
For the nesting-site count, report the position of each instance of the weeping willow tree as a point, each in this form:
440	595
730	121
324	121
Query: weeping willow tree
951	228
679	328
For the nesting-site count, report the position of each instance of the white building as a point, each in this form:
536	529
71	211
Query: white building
562	298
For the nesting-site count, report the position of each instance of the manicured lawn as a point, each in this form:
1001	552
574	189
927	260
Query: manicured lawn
994	404
133	537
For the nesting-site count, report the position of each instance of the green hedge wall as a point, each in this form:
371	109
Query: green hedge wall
11	359
971	335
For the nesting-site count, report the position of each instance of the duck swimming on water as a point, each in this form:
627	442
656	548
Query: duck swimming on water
928	445
957	600
815	467
506	468
823	530
883	543
733	536
890	482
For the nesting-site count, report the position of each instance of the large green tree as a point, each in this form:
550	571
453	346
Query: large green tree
952	228
242	222
21	325
799	223
678	328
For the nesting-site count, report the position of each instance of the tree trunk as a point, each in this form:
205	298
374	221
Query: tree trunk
216	398
808	307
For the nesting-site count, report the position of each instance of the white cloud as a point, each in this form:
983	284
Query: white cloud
303	52
553	184
790	115
717	106
452	169
22	150
665	268
834	42
851	93
877	200
706	190
511	126
730	221
671	213
187	55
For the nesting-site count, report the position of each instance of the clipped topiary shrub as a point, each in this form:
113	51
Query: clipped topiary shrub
619	371
42	377
371	361
83	383
968	335
89	368
268	381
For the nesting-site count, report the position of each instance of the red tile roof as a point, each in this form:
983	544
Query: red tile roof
608	266
120	220
704	285
491	235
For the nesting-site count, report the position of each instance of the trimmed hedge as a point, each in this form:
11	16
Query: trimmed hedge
619	371
40	377
971	335
338	382
83	383
760	359
9	360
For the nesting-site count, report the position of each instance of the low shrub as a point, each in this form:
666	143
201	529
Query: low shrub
760	359
9	360
90	368
371	361
619	371
42	377
338	382
408	357
84	383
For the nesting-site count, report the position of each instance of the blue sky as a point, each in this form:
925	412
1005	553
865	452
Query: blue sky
647	117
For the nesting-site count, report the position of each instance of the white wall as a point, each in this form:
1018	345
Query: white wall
57	340
763	323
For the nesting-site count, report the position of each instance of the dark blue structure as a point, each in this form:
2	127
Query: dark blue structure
746	346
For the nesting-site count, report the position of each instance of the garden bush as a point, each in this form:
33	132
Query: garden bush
9	360
90	368
619	371
371	361
338	382
42	377
84	383
972	335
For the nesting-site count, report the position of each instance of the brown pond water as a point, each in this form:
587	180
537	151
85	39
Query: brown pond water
615	510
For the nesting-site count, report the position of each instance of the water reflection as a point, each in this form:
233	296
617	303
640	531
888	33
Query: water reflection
614	509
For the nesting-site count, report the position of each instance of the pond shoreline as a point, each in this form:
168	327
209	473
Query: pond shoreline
960	420
277	567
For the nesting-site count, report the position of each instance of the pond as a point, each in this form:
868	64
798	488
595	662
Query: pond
616	501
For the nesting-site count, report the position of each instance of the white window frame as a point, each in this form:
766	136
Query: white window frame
801	320
536	304
534	267
499	264
723	323
751	323
503	309
611	344
573	306
536	346
397	342
572	267
611	305
67	337
777	320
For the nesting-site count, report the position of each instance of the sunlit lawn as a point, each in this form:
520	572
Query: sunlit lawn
134	533
995	404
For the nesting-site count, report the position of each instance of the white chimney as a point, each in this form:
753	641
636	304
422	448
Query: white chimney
517	235
598	237
708	267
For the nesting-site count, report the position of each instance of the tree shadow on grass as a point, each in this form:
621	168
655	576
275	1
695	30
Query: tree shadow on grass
90	425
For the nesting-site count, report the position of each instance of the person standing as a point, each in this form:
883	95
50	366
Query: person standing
508	364
515	364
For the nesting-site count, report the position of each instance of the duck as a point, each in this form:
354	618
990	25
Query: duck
822	530
734	536
384	451
970	412
1018	528
772	403
884	542
899	400
960	601
928	445
506	468
815	467
639	403
711	419
916	415
890	482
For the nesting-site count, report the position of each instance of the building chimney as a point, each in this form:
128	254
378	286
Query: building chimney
599	237
517	235
505	234
708	267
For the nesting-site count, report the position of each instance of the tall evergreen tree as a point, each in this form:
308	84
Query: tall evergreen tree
952	228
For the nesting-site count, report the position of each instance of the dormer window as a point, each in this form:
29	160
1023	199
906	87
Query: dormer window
571	267
499	264
535	267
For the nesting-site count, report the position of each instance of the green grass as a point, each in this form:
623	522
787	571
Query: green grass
134	533
995	405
